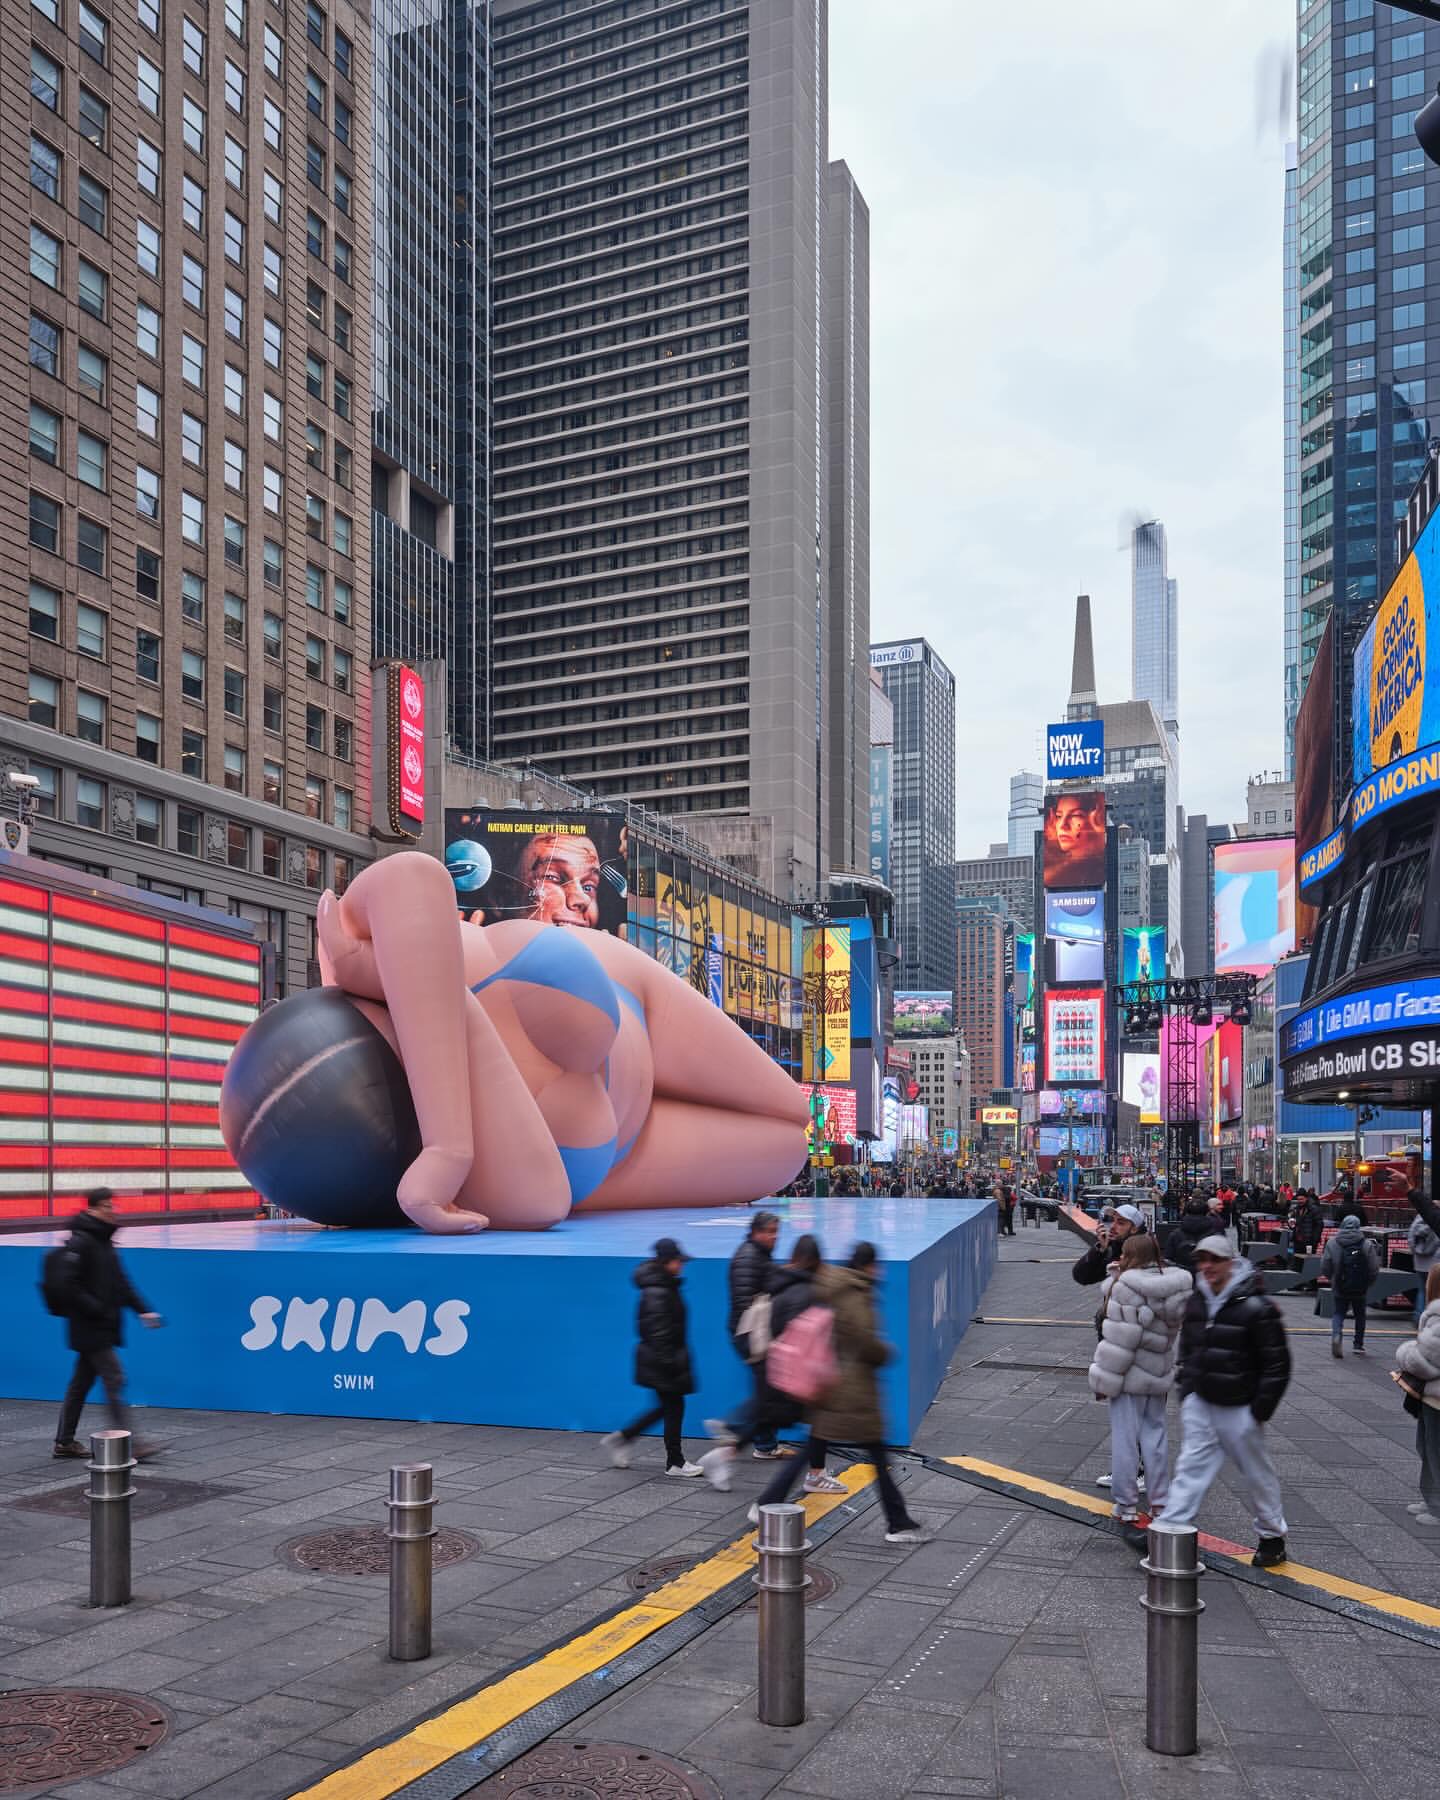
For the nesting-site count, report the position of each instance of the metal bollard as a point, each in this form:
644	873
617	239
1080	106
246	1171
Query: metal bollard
782	1582
1172	1638
412	1505
109	1494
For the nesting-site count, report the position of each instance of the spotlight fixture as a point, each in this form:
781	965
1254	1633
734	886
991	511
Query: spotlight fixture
1203	1013
1239	1012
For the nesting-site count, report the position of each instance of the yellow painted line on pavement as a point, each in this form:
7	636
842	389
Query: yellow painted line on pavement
1379	1599
382	1771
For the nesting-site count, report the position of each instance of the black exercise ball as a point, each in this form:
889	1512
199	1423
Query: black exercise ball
316	1111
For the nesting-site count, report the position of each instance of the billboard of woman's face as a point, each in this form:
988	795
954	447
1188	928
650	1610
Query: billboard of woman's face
1075	840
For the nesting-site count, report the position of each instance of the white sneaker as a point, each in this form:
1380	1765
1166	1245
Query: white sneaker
683	1470
1426	1518
912	1534
1417	1507
617	1449
715	1465
1104	1481
720	1431
820	1481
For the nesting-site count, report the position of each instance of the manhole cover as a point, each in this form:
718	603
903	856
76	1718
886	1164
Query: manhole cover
152	1495
61	1734
365	1550
665	1568
559	1771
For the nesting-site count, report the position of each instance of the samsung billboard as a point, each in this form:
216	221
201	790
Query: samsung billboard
1075	750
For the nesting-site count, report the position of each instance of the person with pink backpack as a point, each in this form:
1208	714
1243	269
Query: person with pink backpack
838	1369
788	1373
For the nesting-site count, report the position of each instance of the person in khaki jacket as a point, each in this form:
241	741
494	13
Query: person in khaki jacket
850	1411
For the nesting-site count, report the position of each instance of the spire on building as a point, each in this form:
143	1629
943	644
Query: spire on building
1082	666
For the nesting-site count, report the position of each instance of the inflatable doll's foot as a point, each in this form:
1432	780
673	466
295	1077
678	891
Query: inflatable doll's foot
427	1193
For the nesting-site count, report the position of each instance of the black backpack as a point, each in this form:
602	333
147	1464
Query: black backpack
1353	1275
57	1276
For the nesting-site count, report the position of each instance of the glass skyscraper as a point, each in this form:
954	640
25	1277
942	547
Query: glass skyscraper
1366	198
1154	625
1291	328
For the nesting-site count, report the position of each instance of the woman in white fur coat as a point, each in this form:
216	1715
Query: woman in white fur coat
1143	1304
1419	1358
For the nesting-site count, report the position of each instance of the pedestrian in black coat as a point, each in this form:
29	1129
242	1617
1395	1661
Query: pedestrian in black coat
662	1360
95	1294
752	1270
1194	1223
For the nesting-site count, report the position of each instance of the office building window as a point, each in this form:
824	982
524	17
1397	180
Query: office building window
148	819
147	738
234	769
187	830
44	612
44	699
90	803
147	656
147	573
192	755
90	630
90	716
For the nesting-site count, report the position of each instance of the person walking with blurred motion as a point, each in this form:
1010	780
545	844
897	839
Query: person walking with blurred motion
1352	1262
662	1360
751	1268
1142	1308
850	1412
793	1296
1005	1201
84	1282
1418	1360
1234	1368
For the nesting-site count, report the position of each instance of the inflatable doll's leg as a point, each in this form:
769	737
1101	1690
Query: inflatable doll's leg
405	905
702	1156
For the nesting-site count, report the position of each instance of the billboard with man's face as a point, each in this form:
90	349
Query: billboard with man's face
1075	840
555	868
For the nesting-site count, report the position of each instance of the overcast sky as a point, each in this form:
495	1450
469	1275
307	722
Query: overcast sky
1076	301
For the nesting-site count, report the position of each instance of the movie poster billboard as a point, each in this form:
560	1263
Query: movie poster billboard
557	868
1140	1084
1254	904
1142	953
924	1012
833	1117
1075	923
1074	854
1027	1068
1074	1035
1025	978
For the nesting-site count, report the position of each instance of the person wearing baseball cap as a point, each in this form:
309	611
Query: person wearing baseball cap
1234	1367
662	1360
1099	1260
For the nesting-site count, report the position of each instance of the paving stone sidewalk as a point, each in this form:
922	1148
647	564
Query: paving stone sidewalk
1004	1658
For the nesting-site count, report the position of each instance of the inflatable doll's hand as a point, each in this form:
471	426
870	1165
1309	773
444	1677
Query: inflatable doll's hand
346	962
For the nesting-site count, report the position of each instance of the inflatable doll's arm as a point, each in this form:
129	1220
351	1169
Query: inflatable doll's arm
346	962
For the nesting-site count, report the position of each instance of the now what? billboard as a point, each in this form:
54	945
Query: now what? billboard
1075	750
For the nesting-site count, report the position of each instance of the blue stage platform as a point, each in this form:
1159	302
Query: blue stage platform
505	1328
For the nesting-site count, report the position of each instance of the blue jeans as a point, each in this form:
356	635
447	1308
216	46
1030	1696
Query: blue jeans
1354	1304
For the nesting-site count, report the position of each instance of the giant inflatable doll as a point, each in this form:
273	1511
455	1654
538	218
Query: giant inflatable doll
464	1076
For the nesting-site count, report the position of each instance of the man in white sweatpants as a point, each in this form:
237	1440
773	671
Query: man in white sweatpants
1234	1367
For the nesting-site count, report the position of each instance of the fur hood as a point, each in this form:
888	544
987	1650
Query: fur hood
1141	1314
1419	1357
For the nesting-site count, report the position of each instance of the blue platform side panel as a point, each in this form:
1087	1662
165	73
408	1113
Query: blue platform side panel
503	1328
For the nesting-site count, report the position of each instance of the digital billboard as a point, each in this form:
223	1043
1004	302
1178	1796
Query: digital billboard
1074	855
1061	1140
1254	904
833	1116
1395	708
1230	1071
924	1012
556	868
1087	1100
1140	1084
999	1115
1074	1035
1142	953
1025	977
1075	750
1075	922
826	998
1314	774
1027	1068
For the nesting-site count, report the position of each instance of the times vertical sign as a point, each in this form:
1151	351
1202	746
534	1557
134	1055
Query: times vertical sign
405	697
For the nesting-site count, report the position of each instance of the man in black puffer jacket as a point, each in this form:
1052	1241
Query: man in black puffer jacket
662	1360
1195	1223
752	1268
1234	1367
